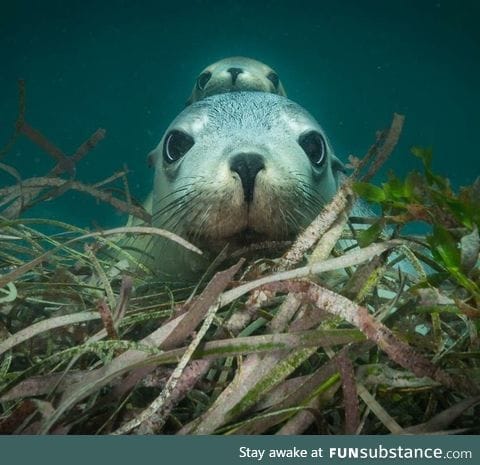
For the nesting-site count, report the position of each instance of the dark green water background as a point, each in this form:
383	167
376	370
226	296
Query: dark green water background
129	67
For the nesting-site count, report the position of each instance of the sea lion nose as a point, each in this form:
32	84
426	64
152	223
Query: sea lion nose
247	166
234	72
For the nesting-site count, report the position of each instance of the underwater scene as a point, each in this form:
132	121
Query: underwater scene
239	218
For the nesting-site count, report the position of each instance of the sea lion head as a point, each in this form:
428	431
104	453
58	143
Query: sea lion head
235	74
240	168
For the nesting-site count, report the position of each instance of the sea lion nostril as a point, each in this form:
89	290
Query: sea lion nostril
247	166
234	72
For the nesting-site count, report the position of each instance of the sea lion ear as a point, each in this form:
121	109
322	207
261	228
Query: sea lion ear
338	170
281	90
193	97
152	159
337	166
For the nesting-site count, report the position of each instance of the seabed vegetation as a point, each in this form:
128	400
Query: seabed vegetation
358	328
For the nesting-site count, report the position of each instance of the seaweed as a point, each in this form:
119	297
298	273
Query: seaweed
359	327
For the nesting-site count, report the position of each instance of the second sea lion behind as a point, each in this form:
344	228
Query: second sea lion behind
235	74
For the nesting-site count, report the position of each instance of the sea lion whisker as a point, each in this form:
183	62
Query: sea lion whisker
173	221
194	206
200	224
178	216
194	233
179	202
288	221
313	196
174	193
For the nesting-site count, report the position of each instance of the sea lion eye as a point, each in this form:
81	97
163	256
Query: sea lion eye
203	79
274	78
177	144
313	144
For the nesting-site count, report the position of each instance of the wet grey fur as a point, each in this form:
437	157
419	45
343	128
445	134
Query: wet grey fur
200	197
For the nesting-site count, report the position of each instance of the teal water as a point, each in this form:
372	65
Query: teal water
129	67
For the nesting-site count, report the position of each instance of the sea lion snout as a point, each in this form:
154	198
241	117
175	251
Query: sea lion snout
247	166
234	73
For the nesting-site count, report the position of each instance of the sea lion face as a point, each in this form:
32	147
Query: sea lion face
236	74
242	167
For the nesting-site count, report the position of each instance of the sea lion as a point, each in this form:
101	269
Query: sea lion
238	168
232	74
235	74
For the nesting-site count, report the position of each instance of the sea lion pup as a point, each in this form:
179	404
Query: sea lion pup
237	168
236	74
